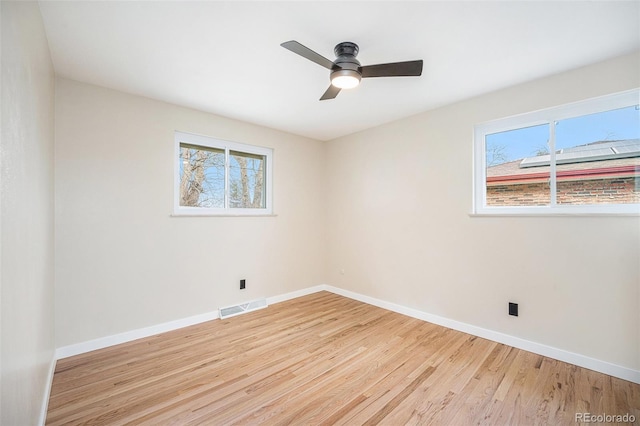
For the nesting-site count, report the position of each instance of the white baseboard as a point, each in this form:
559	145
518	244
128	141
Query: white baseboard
295	294
538	348
47	392
116	339
527	345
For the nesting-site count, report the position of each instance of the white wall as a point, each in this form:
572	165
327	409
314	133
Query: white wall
399	198
123	263
26	261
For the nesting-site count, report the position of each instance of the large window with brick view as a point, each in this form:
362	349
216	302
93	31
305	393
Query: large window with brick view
564	161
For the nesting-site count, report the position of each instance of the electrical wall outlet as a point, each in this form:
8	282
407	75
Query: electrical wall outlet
513	309
243	284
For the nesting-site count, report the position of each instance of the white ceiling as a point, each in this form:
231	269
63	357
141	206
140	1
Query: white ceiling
225	57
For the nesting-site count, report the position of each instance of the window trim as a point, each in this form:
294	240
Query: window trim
545	117
227	146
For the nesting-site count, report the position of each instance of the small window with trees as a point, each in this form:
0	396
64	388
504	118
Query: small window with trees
216	177
577	158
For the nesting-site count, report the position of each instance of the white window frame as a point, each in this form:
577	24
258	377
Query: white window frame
227	146
546	117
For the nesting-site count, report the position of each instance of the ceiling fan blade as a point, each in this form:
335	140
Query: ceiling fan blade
304	51
331	93
396	69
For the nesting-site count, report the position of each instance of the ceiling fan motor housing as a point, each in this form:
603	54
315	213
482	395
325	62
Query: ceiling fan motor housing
346	48
346	63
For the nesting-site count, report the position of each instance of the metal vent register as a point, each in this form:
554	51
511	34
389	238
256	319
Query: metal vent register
232	311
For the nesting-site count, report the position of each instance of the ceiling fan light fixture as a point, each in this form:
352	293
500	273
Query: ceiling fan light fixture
345	79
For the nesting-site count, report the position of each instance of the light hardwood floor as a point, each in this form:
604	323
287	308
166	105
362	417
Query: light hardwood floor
324	359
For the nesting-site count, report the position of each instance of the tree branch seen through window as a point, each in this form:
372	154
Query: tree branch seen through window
220	175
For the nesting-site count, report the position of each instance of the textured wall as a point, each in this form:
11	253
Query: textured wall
26	263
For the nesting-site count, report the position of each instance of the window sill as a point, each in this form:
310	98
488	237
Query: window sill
554	214
222	215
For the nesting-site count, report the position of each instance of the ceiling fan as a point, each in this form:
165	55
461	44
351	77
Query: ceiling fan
346	70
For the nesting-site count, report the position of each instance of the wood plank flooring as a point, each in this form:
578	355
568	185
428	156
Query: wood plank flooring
324	359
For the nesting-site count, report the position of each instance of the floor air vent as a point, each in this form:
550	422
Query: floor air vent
232	311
